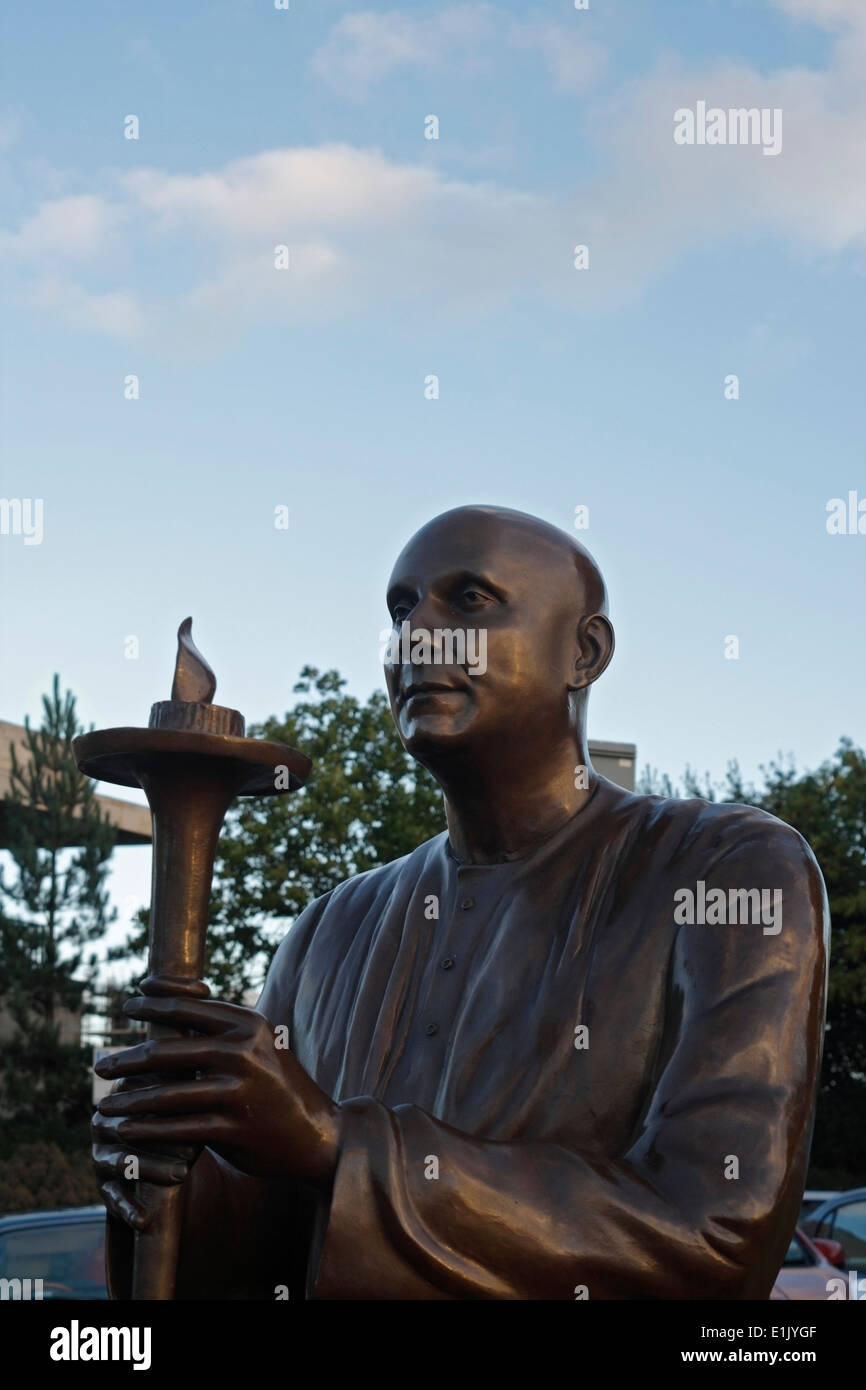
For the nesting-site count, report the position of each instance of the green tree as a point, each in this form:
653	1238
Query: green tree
651	782
41	1175
366	802
54	906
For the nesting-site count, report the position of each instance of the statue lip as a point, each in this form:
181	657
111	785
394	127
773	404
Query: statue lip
430	688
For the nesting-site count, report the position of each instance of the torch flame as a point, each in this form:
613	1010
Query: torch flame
194	681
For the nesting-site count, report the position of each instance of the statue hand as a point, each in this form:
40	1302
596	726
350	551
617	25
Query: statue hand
118	1164
252	1102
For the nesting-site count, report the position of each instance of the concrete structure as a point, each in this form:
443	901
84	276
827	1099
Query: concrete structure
615	761
132	822
68	1023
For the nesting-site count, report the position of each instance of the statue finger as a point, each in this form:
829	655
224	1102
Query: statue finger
205	1015
118	1203
170	1129
160	1055
175	1098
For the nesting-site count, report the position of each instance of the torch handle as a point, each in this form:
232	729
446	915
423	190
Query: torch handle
191	763
188	807
155	1257
156	1249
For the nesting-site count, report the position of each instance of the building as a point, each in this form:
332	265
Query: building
615	761
131	822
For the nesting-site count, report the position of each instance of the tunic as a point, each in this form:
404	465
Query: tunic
553	1086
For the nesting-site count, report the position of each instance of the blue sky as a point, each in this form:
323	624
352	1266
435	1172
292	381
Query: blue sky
409	257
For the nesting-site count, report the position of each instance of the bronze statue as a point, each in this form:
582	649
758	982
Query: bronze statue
569	1048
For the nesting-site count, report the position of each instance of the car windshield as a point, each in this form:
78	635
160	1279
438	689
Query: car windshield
797	1254
69	1257
850	1230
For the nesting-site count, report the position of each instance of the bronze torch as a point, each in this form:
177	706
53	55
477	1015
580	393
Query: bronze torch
191	761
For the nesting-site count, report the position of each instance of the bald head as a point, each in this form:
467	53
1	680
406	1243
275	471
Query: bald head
546	548
533	598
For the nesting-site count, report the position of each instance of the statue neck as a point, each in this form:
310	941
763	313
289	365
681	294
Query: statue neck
503	812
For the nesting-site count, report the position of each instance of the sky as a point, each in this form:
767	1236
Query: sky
170	392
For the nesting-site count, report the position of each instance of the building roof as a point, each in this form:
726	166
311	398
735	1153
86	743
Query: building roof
131	821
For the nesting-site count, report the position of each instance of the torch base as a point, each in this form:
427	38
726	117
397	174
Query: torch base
121	755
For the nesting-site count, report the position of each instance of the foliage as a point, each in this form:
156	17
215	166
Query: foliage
366	802
55	905
40	1176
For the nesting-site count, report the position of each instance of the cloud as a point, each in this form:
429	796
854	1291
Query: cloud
74	226
358	226
363	229
285	190
116	314
574	60
829	14
812	197
363	49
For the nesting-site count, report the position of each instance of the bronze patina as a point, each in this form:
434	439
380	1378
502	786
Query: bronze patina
191	761
520	1066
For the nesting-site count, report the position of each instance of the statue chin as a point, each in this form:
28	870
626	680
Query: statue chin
433	731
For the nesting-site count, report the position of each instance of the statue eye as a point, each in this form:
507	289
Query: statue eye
473	597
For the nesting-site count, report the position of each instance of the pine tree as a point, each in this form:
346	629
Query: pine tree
55	905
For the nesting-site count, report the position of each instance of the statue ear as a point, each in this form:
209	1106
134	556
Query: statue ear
595	644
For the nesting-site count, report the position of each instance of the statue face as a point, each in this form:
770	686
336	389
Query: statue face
499	605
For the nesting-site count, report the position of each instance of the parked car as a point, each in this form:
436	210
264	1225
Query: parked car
812	1198
808	1267
843	1218
65	1249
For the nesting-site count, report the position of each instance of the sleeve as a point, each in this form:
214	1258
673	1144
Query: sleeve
704	1201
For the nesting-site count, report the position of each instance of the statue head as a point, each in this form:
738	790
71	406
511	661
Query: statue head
499	629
